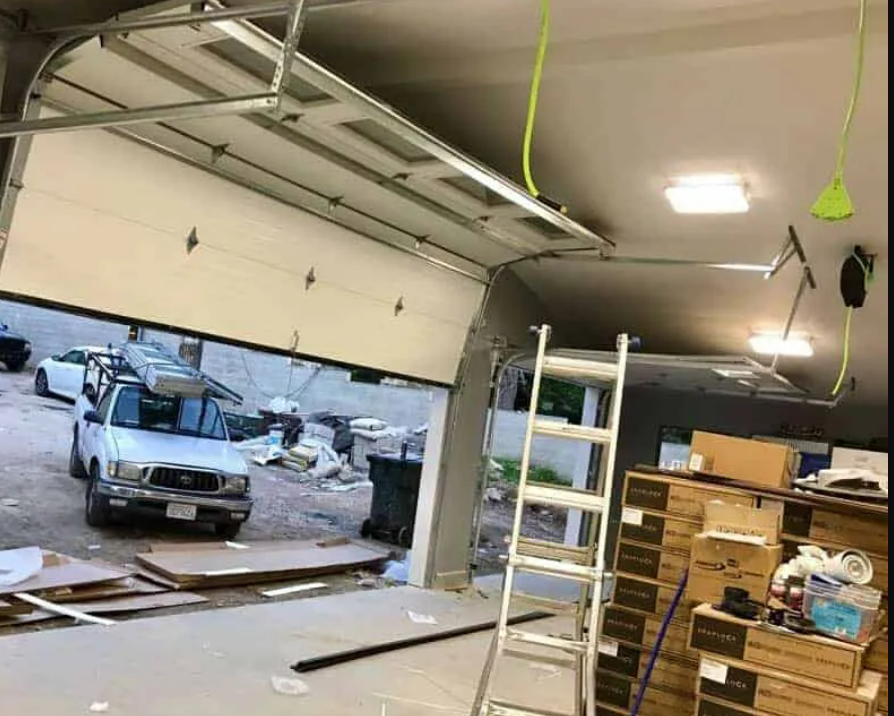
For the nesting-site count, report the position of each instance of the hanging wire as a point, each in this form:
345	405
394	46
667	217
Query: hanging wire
533	97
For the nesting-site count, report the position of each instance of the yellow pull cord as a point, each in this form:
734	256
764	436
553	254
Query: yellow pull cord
847	350
533	97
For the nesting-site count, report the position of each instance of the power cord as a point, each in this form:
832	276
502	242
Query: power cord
533	97
856	276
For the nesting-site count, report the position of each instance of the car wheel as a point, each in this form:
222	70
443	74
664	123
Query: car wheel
41	384
95	512
227	530
75	466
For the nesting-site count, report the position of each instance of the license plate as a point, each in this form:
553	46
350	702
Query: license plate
181	512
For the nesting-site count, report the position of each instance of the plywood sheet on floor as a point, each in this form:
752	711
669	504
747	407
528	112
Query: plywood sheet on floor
221	662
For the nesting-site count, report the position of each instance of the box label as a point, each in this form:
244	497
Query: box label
713	671
613	690
738	686
632	516
638	560
636	595
719	637
624	626
625	660
608	647
651	494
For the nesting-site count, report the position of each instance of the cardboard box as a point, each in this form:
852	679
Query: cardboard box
753	461
879	562
877	655
716	564
883	695
614	690
642	630
708	707
724	519
659	530
678	496
648	595
641	561
776	693
672	672
715	633
854	530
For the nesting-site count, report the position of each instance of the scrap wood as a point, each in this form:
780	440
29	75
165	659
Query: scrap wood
228	567
63	610
342	657
294	589
60	570
108	590
14	608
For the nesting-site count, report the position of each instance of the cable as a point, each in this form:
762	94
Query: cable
659	640
846	354
533	97
855	95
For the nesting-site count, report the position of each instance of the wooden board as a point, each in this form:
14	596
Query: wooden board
121	605
107	590
14	608
61	571
232	567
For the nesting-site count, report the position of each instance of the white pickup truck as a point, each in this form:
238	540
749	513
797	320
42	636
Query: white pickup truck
144	453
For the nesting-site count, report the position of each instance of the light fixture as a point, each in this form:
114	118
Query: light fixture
708	194
734	372
772	344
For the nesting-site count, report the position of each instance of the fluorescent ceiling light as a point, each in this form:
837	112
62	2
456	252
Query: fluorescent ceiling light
772	344
708	194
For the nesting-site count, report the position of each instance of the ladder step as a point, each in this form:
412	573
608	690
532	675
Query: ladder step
558	661
553	568
555	429
553	642
543	604
577	368
504	708
570	497
530	547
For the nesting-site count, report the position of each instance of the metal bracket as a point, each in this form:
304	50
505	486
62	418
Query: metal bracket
310	279
283	72
192	240
399	306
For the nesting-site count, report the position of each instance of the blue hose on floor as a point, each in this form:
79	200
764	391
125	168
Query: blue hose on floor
653	657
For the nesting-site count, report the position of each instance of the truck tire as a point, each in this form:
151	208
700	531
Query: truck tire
227	530
75	466
41	384
95	513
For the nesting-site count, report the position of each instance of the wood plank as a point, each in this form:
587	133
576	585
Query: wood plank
62	571
138	603
251	566
107	590
14	608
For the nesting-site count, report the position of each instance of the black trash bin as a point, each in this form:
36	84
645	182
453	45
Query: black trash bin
395	480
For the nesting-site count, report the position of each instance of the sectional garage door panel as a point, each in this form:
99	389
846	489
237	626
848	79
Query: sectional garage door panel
102	224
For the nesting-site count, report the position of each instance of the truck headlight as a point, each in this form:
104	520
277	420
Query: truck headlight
27	346
237	485
126	471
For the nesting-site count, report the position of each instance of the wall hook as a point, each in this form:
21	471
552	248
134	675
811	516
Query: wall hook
399	306
310	279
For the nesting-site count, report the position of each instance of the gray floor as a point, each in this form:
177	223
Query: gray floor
221	662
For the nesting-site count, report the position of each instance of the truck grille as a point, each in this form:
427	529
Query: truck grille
172	478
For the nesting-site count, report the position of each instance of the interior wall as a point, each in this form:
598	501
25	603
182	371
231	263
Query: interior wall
646	410
512	309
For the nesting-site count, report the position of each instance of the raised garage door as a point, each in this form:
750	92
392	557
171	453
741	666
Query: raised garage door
102	224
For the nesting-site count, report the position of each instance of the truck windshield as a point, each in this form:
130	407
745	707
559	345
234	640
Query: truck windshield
141	409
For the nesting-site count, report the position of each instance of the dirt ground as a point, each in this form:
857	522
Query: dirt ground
41	504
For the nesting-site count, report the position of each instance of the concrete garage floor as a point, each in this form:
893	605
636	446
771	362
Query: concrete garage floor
221	662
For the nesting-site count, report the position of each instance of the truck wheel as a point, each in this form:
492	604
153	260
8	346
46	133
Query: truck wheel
15	366
95	513
41	384
227	530
75	466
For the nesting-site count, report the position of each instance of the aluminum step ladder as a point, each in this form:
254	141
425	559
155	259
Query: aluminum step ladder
584	564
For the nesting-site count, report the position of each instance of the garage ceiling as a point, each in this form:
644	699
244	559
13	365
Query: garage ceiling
634	94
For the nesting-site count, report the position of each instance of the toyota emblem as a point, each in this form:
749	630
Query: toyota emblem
185	481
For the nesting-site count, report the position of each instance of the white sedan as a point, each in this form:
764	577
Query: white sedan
63	374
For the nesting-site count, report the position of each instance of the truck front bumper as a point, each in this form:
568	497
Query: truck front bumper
154	503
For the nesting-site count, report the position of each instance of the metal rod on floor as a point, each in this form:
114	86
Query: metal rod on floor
343	657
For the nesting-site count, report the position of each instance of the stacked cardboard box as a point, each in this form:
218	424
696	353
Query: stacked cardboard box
660	517
877	660
747	668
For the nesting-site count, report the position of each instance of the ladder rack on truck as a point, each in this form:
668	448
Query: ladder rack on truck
158	368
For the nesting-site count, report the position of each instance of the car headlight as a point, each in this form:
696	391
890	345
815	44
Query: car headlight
127	471
237	485
27	346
